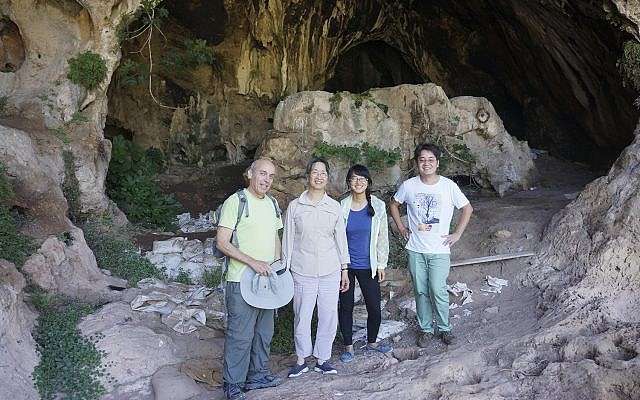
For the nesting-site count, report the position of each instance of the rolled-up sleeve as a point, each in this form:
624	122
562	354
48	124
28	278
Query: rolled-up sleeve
340	235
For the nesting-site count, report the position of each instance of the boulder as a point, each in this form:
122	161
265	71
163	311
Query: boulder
71	269
18	354
391	121
133	351
36	171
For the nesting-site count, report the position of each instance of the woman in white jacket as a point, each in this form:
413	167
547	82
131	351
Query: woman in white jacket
365	217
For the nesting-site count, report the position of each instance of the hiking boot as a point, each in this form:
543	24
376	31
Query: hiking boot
325	368
447	338
424	339
266	381
298	370
232	391
381	347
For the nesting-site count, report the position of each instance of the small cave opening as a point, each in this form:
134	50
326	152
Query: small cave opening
12	52
370	65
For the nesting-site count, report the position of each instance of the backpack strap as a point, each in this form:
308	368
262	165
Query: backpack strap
276	206
243	207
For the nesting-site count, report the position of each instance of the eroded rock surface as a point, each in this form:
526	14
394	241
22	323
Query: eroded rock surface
395	120
134	352
70	268
18	354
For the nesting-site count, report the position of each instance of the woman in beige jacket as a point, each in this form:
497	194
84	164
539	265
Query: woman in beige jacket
315	249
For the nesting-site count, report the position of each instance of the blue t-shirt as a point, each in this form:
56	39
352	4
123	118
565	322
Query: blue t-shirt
358	238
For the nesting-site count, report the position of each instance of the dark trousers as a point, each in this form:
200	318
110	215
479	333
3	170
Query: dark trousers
371	292
247	339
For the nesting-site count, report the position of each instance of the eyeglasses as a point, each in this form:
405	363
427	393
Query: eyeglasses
358	179
318	173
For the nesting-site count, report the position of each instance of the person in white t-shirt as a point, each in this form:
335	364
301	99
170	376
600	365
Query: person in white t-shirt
430	200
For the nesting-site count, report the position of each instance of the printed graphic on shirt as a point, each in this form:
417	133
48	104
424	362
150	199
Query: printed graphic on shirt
428	207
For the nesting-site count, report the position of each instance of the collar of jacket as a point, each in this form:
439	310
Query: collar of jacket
304	199
378	206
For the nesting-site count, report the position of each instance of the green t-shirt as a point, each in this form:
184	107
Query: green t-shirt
256	234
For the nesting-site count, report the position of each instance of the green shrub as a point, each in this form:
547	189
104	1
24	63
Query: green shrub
212	278
346	153
195	53
115	251
282	342
131	73
14	246
376	158
70	365
6	190
131	184
183	277
373	157
87	69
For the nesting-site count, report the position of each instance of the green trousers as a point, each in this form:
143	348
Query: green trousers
429	274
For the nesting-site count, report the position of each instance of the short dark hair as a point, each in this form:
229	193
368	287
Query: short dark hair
435	150
317	160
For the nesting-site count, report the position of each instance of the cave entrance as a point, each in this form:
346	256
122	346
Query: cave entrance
371	65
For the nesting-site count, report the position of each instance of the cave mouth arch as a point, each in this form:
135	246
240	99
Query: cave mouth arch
369	65
551	71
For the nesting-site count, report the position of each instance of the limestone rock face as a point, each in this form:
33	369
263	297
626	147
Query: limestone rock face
36	170
40	97
71	269
588	264
18	354
396	120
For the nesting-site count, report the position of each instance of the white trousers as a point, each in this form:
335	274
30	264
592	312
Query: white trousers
310	291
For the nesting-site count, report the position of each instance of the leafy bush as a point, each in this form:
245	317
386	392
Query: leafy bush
87	69
346	153
183	277
115	251
131	184
14	246
6	190
376	158
196	52
373	157
132	73
282	342
211	278
70	364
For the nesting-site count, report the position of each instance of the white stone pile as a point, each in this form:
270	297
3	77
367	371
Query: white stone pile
180	254
204	223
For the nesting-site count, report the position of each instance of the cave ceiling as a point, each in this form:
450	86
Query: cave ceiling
548	67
